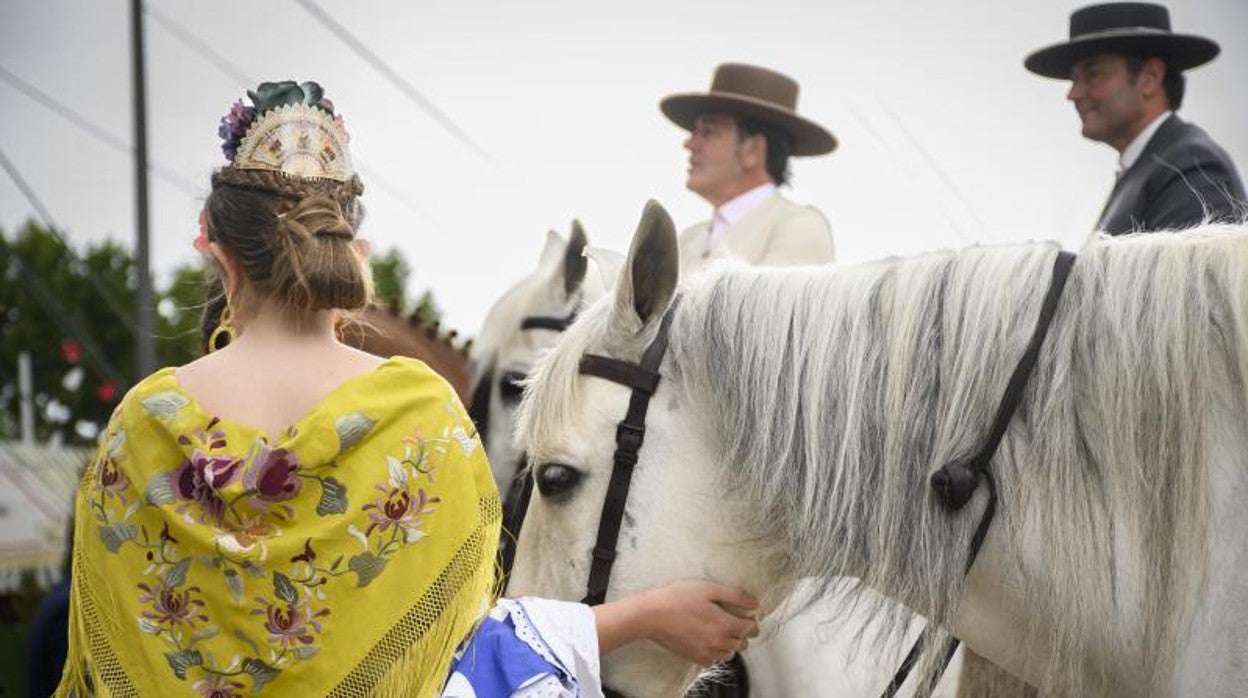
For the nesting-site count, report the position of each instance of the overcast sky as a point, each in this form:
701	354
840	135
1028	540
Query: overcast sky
945	139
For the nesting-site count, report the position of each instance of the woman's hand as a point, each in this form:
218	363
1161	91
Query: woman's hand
703	622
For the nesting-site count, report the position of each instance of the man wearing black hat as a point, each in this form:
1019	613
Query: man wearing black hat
1125	68
741	134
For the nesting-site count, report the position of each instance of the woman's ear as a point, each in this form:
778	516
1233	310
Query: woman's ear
363	248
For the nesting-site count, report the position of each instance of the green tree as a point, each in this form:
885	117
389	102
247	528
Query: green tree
427	309
73	313
61	312
390	273
178	315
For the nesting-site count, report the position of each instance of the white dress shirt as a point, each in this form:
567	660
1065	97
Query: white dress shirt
1133	151
736	208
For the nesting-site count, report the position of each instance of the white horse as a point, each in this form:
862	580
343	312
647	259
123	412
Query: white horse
801	413
504	352
795	662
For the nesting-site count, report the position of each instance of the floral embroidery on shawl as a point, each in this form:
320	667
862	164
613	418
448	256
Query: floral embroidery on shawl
240	496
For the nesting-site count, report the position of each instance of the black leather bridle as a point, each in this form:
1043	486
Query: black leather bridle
954	483
643	379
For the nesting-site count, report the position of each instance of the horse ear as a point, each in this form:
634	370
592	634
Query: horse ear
553	251
574	262
649	282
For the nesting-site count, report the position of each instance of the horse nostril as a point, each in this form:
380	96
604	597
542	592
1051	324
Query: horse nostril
556	481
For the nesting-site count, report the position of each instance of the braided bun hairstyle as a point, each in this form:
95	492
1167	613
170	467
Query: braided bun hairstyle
293	237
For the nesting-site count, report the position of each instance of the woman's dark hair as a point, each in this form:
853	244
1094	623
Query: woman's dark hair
293	238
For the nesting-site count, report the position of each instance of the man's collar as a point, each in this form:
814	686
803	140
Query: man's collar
736	208
1136	148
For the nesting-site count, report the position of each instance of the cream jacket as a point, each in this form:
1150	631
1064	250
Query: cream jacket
776	233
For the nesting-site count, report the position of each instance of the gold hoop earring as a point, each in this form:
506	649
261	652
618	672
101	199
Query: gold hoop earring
224	333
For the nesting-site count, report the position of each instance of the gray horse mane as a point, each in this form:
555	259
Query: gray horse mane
835	393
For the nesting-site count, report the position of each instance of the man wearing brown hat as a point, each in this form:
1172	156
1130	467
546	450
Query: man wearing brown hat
741	135
1126	71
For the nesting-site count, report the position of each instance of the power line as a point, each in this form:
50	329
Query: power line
390	74
42	212
239	76
204	50
87	125
931	162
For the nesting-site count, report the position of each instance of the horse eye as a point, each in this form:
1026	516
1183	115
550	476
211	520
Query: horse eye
511	386
557	481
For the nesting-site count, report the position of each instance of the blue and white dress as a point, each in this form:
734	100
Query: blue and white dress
529	648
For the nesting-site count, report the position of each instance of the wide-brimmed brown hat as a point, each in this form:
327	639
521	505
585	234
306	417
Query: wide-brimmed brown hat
1127	28
748	90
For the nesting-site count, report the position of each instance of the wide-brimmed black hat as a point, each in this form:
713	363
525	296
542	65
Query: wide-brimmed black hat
1127	28
749	90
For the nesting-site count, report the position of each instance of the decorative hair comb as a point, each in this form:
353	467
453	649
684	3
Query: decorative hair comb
291	128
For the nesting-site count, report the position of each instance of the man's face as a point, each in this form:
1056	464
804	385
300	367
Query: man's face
715	165
1108	99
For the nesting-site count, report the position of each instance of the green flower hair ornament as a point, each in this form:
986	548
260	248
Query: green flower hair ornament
265	98
270	95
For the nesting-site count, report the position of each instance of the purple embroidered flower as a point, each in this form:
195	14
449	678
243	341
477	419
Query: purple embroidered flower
274	475
289	625
234	126
110	479
198	479
171	606
218	686
396	508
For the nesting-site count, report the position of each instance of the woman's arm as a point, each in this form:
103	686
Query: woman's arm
701	621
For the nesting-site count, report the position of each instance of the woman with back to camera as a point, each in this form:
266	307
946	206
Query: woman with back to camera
289	514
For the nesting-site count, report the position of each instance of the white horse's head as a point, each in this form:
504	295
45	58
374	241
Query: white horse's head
568	275
568	427
801	414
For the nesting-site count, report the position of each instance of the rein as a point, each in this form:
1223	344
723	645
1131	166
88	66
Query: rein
955	482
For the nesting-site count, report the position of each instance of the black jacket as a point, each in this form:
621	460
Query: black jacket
1181	179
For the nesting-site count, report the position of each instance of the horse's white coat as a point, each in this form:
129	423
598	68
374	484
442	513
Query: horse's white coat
1116	563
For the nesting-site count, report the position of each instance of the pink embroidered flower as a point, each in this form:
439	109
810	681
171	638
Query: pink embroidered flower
289	625
396	508
110	479
274	475
218	686
200	477
172	606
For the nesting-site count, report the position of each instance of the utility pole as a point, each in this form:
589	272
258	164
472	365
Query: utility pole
145	348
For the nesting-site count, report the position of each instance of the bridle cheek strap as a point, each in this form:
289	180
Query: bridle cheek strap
643	379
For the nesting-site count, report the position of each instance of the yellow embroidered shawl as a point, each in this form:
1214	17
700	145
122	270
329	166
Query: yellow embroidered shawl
346	557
